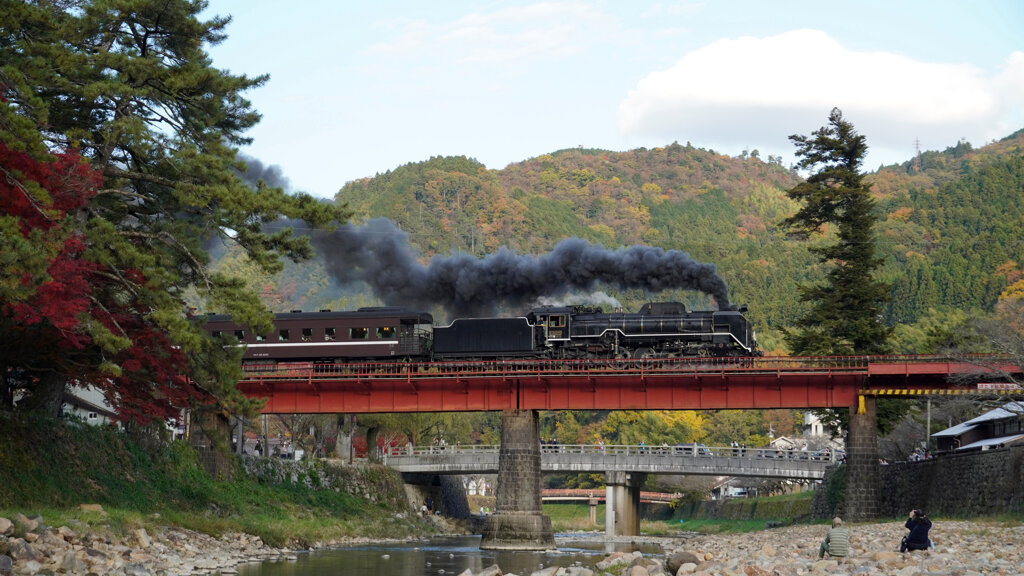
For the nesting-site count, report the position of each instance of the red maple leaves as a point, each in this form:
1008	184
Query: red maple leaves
61	311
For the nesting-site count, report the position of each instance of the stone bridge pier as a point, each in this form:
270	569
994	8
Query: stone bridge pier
518	522
863	478
622	503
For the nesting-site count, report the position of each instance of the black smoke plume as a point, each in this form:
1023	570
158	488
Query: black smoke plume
271	175
379	254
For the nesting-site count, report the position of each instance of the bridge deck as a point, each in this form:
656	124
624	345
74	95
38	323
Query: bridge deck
687	459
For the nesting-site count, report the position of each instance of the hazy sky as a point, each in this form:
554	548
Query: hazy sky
361	87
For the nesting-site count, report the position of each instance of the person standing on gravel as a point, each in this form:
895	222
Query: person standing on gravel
837	540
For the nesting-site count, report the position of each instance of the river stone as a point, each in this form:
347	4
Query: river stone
6	565
25	523
137	569
21	550
638	571
71	563
142	537
6	527
492	570
686	568
93	508
677	559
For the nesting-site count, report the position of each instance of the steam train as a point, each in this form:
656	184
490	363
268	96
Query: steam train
658	330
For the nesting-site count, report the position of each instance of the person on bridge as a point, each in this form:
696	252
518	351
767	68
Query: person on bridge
918	523
837	540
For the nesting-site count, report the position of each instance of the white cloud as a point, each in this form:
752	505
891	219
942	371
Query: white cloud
751	92
510	35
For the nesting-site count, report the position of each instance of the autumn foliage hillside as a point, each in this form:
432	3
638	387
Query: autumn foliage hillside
951	222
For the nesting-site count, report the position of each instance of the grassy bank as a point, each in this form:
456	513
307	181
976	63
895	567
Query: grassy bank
51	468
567	517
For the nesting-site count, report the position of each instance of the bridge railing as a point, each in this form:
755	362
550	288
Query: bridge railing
547	368
597	368
691	450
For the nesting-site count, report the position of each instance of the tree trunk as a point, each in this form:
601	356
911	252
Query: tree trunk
6	391
372	453
46	396
346	431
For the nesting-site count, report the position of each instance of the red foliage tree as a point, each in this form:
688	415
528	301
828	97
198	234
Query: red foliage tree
66	318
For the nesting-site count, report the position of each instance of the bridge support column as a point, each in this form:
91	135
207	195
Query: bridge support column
862	474
622	503
518	522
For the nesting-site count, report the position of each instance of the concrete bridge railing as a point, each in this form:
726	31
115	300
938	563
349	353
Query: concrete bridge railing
686	459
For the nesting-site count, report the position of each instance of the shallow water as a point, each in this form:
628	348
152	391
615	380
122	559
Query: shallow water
438	556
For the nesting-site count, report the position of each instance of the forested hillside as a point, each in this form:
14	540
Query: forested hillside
951	223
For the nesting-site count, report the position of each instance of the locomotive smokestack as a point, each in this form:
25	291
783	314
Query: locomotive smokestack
379	254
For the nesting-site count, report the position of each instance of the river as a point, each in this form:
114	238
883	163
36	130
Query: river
450	556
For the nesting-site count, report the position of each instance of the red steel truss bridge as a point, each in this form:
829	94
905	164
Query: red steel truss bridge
620	384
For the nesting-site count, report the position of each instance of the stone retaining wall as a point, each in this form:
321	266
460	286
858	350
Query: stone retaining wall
966	485
376	483
973	484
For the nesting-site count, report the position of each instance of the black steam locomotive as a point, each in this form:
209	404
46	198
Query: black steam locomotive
658	330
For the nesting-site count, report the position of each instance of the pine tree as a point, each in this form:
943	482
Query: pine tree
845	312
128	86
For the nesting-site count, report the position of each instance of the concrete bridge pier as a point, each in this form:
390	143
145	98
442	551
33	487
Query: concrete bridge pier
518	522
622	503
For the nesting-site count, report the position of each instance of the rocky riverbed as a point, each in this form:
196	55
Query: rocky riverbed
963	548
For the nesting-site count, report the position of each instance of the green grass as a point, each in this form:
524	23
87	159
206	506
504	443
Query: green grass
50	468
567	517
571	517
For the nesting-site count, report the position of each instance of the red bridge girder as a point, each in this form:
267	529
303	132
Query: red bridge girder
676	384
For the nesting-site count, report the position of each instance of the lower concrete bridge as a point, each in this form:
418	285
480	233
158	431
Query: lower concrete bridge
625	468
686	459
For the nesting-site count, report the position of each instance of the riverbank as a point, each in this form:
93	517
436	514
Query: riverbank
29	546
50	468
963	547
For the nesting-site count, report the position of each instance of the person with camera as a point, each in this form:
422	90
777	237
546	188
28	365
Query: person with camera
918	524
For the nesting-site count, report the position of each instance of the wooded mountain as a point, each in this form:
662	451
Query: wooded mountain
951	222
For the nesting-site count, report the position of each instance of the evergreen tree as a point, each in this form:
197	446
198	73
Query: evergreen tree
845	312
127	85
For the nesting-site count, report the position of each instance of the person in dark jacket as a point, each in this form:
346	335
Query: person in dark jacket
918	524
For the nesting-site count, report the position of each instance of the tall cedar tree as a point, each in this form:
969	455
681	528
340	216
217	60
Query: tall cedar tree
127	86
845	312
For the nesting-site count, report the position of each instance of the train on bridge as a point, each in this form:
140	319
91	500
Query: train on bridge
657	330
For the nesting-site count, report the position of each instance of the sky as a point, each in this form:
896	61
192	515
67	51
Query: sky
359	88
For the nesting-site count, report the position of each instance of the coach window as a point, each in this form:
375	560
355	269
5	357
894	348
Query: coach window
358	333
260	337
307	334
283	335
240	334
385	332
329	334
217	333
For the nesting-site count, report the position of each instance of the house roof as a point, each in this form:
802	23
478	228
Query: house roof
955	430
993	441
1008	410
